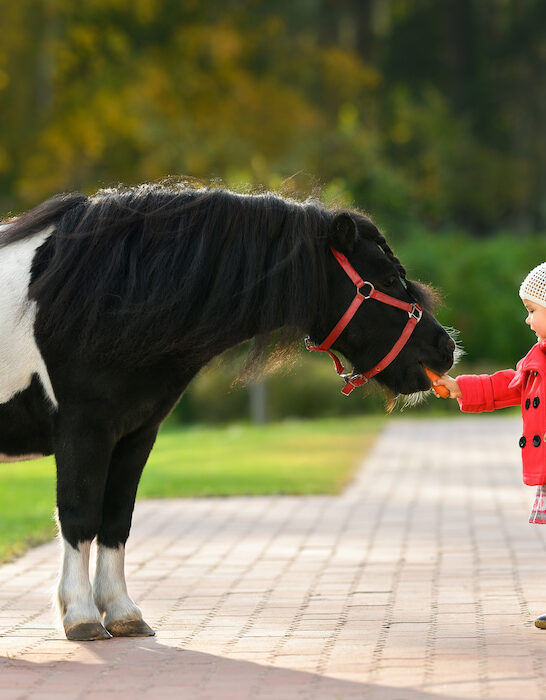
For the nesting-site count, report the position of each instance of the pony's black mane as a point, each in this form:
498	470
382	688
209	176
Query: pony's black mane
161	259
144	271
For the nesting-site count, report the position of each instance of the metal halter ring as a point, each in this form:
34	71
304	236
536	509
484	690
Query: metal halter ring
372	290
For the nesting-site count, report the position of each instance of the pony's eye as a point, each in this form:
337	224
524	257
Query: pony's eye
390	282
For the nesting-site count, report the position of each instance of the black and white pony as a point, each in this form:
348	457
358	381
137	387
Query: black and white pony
111	304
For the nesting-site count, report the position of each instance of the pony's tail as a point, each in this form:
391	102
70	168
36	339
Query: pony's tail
39	218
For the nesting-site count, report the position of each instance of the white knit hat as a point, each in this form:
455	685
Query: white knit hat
533	286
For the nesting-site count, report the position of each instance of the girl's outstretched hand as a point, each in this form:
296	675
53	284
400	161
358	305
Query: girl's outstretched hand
450	384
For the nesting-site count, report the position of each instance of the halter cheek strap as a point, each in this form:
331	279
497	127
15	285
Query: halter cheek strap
414	311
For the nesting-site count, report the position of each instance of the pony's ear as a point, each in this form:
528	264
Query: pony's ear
343	233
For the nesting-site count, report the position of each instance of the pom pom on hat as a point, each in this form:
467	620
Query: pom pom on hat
533	286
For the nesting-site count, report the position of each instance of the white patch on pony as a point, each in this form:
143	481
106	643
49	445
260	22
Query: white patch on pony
110	589
18	458
19	354
74	592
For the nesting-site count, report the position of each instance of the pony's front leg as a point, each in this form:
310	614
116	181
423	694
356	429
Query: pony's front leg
83	449
81	619
122	617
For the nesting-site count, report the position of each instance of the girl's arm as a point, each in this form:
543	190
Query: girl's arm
483	392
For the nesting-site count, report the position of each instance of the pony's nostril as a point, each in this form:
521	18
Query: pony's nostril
447	345
446	349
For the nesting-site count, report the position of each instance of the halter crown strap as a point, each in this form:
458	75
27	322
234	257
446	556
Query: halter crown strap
414	311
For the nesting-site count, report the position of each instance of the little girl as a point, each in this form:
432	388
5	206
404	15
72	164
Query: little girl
525	386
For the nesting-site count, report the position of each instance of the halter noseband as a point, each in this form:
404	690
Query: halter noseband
353	380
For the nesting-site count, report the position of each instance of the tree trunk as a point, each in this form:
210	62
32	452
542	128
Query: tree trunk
258	402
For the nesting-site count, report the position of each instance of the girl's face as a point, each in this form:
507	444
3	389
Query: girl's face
536	318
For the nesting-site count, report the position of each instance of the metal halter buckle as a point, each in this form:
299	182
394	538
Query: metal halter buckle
416	312
349	378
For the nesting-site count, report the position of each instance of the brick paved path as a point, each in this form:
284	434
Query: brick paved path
420	581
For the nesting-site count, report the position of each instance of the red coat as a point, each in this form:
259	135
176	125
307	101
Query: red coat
526	385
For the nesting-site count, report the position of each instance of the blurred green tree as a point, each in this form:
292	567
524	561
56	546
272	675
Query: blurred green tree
416	109
428	115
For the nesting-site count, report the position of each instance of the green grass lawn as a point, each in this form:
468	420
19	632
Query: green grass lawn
289	458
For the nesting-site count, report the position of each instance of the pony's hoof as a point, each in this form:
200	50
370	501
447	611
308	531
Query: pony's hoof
540	622
130	628
87	632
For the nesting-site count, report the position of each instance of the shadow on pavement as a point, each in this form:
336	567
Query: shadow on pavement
149	669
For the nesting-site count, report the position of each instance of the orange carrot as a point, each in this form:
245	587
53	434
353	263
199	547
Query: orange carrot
442	391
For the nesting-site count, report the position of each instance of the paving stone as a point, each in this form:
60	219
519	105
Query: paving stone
420	581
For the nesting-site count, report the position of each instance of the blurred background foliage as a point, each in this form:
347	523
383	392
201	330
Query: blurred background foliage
427	114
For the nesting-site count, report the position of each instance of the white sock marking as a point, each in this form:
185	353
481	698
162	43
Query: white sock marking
75	595
109	587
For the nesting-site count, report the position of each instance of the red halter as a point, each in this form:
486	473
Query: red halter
414	311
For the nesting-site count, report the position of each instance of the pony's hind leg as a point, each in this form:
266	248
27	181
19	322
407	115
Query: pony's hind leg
122	617
82	450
